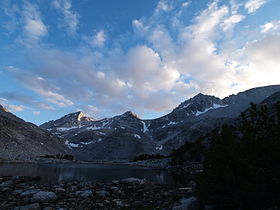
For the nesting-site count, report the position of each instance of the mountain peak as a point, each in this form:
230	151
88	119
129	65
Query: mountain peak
196	106
69	120
201	96
3	109
130	114
79	115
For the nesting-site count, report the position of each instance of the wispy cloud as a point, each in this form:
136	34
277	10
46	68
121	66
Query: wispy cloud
163	5
11	11
98	39
28	19
34	26
253	5
70	19
40	86
36	112
25	99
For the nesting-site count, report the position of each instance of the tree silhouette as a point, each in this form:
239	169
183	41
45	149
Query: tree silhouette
241	168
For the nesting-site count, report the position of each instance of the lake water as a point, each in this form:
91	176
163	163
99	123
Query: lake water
52	173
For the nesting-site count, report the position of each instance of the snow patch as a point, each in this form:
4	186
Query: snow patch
137	136
67	129
71	145
145	127
105	123
92	128
159	147
91	142
185	106
172	123
215	106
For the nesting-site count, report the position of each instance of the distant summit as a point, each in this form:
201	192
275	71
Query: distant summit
130	114
70	120
199	103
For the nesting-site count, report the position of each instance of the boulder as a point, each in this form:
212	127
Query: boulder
102	194
44	196
84	194
33	206
7	183
27	193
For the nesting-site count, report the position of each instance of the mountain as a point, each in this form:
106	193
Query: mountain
69	121
120	137
20	140
125	136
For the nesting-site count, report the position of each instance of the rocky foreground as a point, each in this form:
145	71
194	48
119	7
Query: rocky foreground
27	193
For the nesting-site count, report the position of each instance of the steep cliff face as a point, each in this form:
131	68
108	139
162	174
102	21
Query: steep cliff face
126	136
20	140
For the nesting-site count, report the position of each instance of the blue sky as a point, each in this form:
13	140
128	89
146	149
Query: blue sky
107	57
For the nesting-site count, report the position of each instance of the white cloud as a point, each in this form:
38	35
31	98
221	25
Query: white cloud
253	5
163	5
231	21
54	98
36	112
263	57
186	4
34	26
270	26
98	39
27	18
70	18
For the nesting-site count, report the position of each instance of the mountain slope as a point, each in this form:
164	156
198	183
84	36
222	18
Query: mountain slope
20	140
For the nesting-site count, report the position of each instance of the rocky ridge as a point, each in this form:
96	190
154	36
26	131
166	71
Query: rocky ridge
126	136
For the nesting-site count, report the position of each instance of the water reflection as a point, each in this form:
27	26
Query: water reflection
52	173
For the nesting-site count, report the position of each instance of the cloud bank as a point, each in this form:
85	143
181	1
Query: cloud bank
172	61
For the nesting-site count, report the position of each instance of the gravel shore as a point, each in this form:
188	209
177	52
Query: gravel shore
23	193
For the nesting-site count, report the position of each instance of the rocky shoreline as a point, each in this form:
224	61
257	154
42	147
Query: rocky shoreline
23	193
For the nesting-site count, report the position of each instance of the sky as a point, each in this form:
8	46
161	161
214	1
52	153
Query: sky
147	56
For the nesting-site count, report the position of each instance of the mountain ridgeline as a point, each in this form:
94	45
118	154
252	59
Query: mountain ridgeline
126	136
